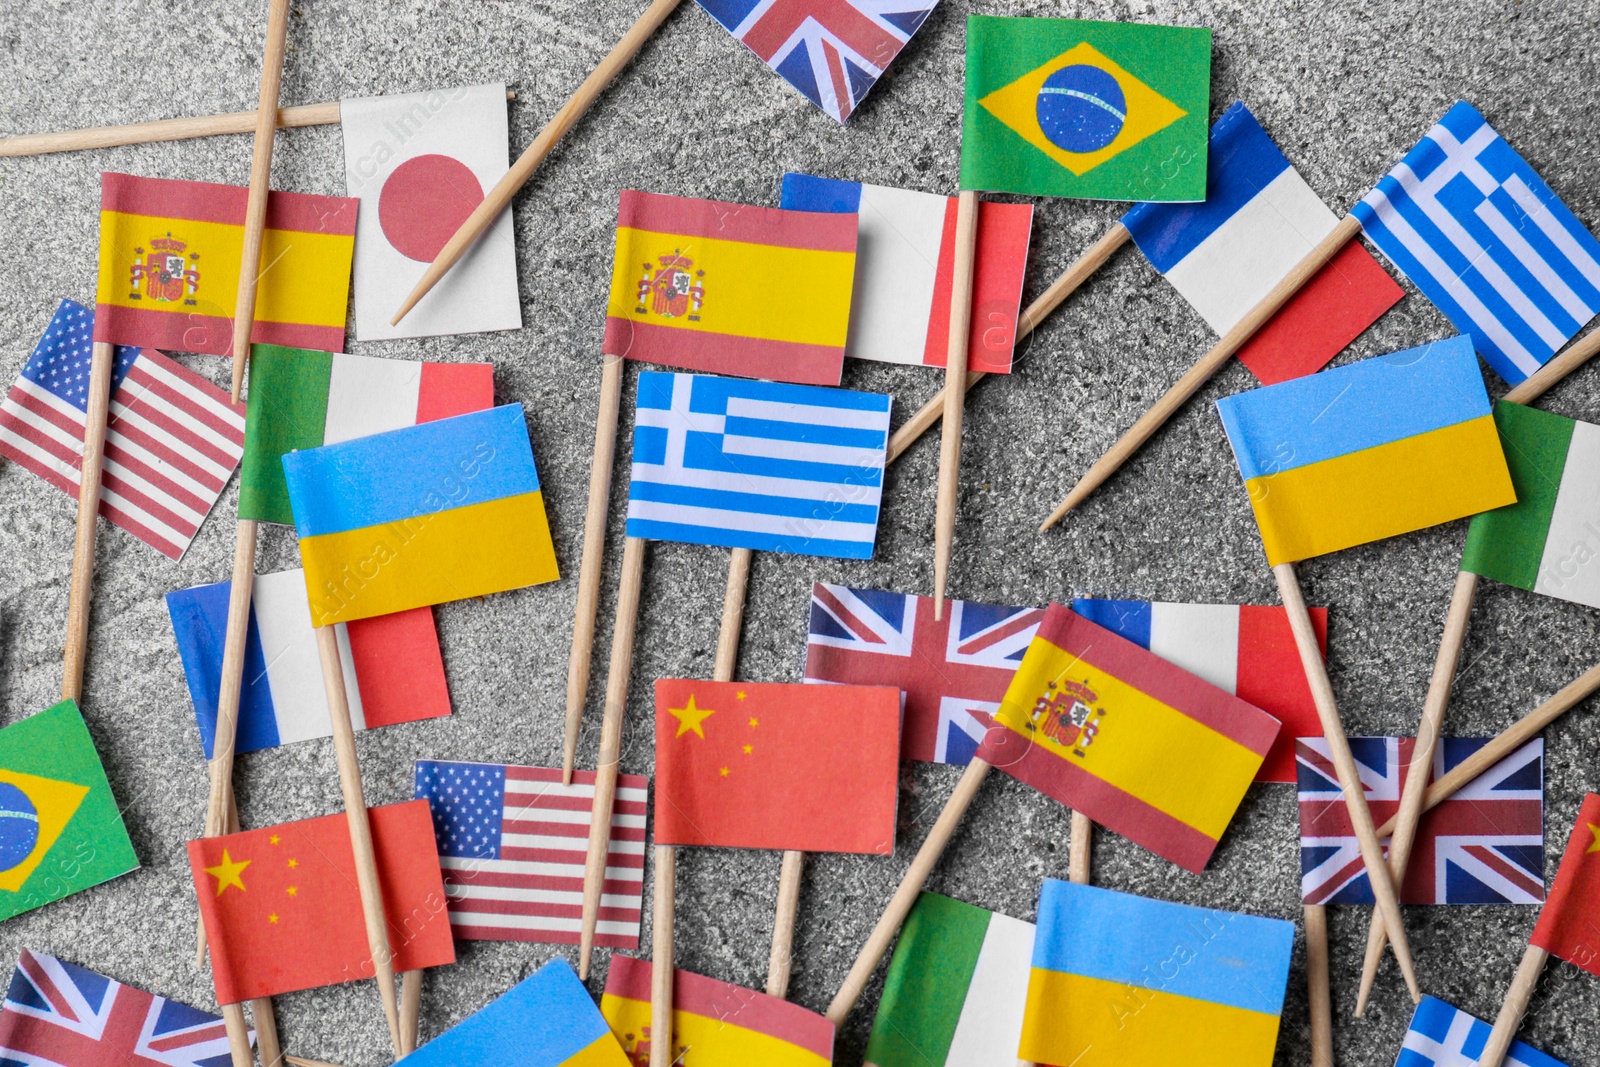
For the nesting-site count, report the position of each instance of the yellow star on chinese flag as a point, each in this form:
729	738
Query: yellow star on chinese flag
228	873
724	772
1595	830
272	918
749	749
690	717
293	890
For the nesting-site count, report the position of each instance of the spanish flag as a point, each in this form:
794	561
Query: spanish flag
1124	981
755	292
1369	450
714	1024
169	266
1135	743
427	514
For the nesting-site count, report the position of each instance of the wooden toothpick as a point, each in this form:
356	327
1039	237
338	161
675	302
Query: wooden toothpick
184	129
1514	1008
255	212
1152	420
589	569
355	806
1383	887
944	530
499	198
81	588
605	779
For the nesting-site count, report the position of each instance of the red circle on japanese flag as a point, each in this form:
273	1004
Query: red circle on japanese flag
424	203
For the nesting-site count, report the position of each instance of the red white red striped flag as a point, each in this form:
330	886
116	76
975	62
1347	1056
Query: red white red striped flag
512	842
172	438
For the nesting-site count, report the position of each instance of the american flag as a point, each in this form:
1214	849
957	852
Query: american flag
56	1013
953	672
512	842
172	438
833	51
1485	845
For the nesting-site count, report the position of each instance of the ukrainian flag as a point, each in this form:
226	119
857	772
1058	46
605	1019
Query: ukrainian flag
1369	450
1125	980
424	515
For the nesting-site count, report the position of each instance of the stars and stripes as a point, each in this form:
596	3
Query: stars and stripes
56	1013
512	842
172	438
1485	845
1481	234
762	465
833	51
953	672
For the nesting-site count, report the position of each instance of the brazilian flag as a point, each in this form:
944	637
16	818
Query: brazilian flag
60	828
1100	110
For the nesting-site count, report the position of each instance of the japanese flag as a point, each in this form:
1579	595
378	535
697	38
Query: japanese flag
420	163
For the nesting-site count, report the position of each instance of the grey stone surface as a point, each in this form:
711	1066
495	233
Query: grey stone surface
1344	87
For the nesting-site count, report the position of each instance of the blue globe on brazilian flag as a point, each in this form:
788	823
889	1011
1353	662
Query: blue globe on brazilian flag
1100	110
60	828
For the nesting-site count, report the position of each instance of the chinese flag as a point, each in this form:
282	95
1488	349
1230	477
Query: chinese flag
805	768
1569	925
282	910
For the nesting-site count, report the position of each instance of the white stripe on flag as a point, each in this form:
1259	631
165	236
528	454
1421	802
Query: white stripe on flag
1570	566
368	395
536	869
1203	639
753	522
555	790
989	1030
121	416
768	448
515	812
573	897
1554	232
1390	217
294	669
821	494
807	414
897	266
1229	272
538	922
568	844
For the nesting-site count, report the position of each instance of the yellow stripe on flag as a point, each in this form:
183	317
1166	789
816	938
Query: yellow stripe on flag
1379	492
751	290
603	1052
1089	1022
432	559
709	1042
305	275
1142	746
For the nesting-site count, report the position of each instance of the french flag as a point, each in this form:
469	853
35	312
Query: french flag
1247	650
1258	220
393	671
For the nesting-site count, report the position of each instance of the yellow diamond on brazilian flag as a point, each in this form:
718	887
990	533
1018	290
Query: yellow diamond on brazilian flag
60	828
1102	110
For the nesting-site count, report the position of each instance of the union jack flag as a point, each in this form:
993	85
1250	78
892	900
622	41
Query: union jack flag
833	51
1485	845
953	672
57	1014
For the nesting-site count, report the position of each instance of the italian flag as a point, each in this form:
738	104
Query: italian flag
1549	540
956	989
300	398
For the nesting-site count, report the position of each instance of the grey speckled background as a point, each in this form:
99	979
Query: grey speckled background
1344	87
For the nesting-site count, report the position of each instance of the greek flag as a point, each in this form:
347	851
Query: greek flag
764	465
1481	234
1442	1035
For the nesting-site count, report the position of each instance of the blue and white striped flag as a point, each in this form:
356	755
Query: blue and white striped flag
1481	234
1445	1036
743	464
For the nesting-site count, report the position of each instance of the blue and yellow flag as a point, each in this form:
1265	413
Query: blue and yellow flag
546	1020
428	514
1369	450
1132	982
